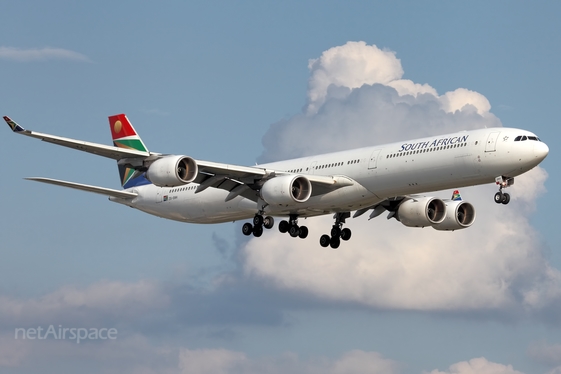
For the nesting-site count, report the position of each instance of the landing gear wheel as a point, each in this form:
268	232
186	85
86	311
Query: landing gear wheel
303	232
247	228
268	222
335	232
258	220
499	197
324	240
506	198
284	226
335	242
257	231
346	234
294	231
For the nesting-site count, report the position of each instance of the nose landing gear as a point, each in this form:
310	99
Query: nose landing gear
503	182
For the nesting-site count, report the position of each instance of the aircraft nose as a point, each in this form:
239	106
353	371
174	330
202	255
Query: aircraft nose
540	150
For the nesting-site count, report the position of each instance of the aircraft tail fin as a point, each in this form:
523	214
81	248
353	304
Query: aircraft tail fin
125	136
456	196
14	126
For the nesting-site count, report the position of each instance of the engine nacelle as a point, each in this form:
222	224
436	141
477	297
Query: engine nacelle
172	171
286	190
421	212
459	215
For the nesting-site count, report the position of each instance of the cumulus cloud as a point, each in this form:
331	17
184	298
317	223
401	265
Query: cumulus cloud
40	54
350	65
357	98
478	366
356	95
356	64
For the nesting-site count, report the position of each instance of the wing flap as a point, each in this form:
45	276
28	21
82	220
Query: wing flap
85	187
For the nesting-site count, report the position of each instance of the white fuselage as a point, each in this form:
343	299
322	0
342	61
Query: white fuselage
380	172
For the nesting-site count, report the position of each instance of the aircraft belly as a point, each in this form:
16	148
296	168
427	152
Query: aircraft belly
341	200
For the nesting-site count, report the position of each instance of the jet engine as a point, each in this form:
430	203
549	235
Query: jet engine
286	190
172	171
459	215
421	212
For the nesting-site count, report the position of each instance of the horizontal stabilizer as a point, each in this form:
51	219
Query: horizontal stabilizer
84	187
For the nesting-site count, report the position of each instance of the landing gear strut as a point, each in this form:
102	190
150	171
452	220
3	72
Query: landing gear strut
503	182
259	222
337	232
291	226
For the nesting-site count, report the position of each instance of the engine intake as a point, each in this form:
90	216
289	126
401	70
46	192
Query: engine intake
286	190
172	171
421	212
459	215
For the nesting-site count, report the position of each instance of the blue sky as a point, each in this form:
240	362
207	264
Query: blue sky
231	82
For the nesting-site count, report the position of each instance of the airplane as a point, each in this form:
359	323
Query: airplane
382	178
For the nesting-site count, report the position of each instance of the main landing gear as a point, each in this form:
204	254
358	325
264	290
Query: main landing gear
259	222
503	182
292	228
337	232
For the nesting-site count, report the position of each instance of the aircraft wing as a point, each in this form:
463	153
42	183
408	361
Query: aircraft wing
115	153
238	180
85	187
244	180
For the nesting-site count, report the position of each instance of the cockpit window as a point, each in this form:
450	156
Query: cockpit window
520	138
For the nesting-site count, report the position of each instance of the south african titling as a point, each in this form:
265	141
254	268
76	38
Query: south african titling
434	143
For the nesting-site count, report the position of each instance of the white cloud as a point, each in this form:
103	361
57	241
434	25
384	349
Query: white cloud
40	54
478	366
408	87
356	64
496	265
350	65
458	99
73	304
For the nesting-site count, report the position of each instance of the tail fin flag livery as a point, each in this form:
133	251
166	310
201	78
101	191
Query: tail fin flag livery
456	196
125	136
14	126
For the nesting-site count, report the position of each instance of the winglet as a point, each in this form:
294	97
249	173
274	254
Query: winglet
14	126
456	196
